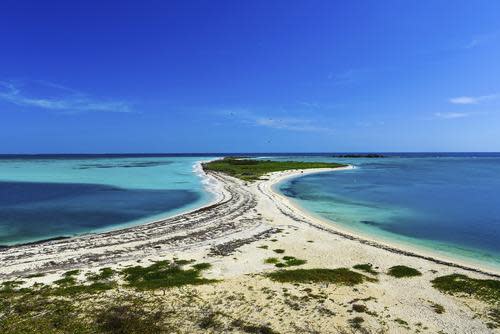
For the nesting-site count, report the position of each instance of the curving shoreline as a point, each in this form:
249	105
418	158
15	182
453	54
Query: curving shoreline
236	236
210	186
332	227
213	226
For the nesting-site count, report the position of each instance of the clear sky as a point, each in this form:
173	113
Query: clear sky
249	76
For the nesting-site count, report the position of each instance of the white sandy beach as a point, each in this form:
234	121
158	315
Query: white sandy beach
238	232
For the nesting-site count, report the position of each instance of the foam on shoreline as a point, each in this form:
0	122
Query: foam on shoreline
209	183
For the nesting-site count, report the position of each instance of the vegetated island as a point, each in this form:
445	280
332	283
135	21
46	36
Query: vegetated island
369	155
251	170
251	262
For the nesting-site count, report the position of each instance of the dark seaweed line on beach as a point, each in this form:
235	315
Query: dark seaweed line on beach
210	225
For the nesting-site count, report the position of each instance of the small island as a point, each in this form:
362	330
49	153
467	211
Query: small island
356	156
252	170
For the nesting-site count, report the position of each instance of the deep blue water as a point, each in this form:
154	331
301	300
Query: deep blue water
447	203
43	197
36	210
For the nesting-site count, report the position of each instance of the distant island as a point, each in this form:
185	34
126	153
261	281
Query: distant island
369	155
251	170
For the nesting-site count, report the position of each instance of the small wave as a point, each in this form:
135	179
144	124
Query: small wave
209	184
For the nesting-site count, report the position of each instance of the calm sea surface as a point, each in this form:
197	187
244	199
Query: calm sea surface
448	203
49	197
445	203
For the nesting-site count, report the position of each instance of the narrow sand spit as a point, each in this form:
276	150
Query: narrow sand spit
243	228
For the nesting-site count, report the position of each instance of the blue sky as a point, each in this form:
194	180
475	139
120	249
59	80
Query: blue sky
249	76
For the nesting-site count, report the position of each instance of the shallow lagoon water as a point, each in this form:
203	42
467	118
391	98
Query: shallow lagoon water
45	198
446	204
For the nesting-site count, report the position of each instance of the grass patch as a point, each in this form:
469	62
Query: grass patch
288	261
128	319
271	260
251	170
342	276
68	278
75	289
279	251
202	266
37	314
367	268
71	273
103	274
487	290
293	261
403	271
9	288
163	274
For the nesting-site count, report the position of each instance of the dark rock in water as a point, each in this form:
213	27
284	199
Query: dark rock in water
369	222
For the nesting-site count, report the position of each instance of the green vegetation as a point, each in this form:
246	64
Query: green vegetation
202	266
487	290
367	268
73	289
103	274
68	285
68	278
9	286
288	261
403	271
68	306
271	260
251	170
293	261
163	274
342	276
128	319
279	251
26	313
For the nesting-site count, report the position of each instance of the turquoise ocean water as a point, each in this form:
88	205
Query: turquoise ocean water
49	197
448	204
